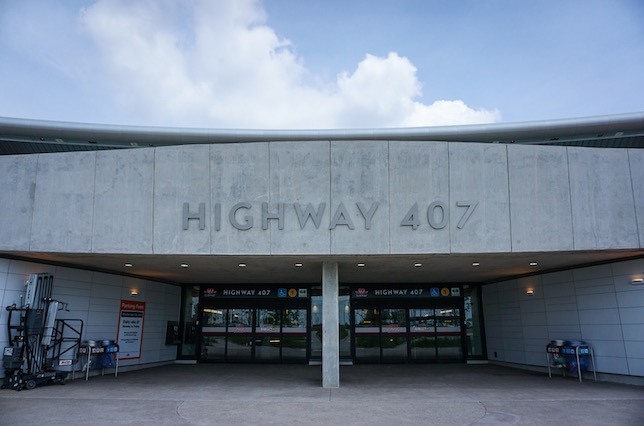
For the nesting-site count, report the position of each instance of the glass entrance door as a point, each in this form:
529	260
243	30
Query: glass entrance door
254	335
408	334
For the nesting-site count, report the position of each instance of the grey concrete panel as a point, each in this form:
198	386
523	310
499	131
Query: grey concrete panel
18	177
181	176
359	174
636	161
603	209
419	177
299	177
239	173
540	199
64	203
479	201
330	332
123	214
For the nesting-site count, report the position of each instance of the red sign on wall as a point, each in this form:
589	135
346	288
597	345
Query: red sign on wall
130	334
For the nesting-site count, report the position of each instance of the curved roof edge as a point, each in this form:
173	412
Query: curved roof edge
574	131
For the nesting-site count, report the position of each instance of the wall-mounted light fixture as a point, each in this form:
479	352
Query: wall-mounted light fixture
529	292
134	292
637	281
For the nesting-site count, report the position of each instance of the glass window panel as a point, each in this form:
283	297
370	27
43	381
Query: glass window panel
449	347
394	321
294	347
423	348
316	328
239	347
394	347
268	321
367	320
267	348
345	326
239	321
448	320
368	348
294	321
473	322
213	347
190	309
214	320
421	320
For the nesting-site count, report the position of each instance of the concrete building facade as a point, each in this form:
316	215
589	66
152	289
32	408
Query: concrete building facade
382	219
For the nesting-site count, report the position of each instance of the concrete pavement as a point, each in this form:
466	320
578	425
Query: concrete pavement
218	394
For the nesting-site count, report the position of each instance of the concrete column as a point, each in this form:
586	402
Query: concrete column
330	331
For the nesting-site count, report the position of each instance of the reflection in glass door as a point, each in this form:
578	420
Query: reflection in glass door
267	341
400	335
422	334
393	338
246	334
367	335
294	332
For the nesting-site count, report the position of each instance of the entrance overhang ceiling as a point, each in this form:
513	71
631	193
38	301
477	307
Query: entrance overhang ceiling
442	268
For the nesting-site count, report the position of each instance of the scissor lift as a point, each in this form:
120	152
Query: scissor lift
43	348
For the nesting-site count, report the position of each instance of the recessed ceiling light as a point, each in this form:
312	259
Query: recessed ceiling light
533	263
299	265
128	265
361	265
184	265
418	265
242	265
475	264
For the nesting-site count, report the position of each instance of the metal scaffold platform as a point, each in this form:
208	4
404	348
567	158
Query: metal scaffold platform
43	349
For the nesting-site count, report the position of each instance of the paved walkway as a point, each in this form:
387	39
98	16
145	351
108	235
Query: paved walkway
292	395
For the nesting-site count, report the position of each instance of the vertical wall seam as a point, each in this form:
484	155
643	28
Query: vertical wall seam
630	174
91	243
449	201
389	194
33	205
154	187
330	194
507	169
209	211
572	219
619	317
269	184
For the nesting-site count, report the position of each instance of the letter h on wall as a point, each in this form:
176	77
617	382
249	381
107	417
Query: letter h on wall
187	215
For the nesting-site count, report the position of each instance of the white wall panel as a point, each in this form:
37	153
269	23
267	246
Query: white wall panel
591	304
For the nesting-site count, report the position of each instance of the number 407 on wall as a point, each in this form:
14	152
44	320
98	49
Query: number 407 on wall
438	214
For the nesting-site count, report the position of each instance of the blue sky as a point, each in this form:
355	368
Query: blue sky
319	64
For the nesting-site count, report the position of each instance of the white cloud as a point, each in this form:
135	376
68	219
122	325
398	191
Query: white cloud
217	64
